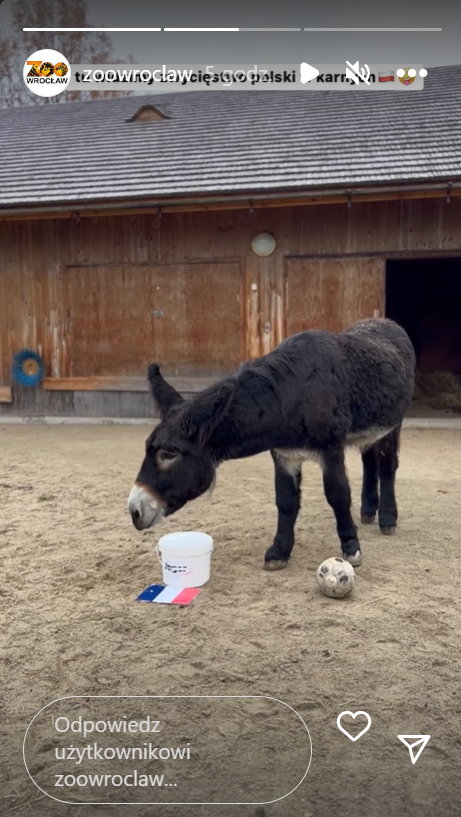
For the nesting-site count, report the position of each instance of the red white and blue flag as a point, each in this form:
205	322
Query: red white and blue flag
169	595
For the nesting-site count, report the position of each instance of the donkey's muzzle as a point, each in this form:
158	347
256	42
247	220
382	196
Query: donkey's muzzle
145	507
136	519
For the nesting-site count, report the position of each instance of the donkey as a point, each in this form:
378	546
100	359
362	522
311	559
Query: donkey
311	396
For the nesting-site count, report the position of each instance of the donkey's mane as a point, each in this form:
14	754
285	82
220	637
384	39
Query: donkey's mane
272	368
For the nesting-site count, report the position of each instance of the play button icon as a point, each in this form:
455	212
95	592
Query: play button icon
307	72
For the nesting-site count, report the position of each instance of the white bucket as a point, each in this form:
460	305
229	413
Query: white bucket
185	557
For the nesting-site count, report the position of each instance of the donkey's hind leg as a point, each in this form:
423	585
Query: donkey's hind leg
370	497
288	500
388	461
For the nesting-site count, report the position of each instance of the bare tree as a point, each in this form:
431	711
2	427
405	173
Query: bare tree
78	46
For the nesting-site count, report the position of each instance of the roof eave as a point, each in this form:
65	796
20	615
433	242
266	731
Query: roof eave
250	199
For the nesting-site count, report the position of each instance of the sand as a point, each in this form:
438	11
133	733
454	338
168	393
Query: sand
73	565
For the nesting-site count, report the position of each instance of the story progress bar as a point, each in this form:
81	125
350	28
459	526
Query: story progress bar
233	29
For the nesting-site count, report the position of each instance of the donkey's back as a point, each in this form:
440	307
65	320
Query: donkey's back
364	375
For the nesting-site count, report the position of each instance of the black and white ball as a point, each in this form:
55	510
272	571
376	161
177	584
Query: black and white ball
335	577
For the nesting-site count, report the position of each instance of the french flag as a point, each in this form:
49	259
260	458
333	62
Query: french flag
169	595
386	76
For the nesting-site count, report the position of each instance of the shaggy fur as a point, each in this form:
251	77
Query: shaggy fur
315	393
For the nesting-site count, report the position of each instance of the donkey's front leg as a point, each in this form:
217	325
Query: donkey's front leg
338	494
288	500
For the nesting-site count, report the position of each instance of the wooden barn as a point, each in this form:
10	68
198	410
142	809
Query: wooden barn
199	229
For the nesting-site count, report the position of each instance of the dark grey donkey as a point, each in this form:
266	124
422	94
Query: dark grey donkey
310	397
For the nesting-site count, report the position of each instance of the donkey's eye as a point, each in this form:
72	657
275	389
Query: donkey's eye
166	456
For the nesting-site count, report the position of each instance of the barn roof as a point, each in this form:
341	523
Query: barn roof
229	142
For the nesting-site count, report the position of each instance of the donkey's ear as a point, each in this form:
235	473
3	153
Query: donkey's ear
164	395
205	412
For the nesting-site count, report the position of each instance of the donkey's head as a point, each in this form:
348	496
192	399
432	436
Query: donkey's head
178	465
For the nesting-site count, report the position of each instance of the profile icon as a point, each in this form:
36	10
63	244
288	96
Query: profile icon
47	72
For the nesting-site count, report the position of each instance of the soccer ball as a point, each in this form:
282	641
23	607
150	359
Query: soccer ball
335	577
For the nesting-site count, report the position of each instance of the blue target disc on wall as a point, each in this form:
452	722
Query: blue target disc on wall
28	368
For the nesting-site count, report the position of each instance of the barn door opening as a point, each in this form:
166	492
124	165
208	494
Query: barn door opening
423	296
332	293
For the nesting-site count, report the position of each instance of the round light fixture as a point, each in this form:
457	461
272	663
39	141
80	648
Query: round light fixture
263	244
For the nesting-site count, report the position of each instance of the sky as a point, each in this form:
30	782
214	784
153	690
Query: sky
422	48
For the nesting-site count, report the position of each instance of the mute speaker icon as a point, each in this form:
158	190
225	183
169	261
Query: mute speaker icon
307	72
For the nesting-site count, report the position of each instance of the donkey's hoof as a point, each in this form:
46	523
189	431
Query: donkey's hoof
275	564
388	530
354	559
368	518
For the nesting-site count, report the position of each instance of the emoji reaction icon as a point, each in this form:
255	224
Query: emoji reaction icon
406	75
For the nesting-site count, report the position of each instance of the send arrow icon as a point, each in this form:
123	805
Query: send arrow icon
307	72
415	744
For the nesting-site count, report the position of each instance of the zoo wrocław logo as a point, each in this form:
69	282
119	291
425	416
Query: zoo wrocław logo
47	72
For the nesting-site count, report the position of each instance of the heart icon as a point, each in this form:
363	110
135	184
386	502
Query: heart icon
353	715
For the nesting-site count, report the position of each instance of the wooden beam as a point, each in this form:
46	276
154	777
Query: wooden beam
129	384
6	395
288	200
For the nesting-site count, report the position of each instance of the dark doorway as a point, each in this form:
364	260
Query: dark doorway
424	296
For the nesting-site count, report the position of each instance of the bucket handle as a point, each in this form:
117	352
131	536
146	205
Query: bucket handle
158	553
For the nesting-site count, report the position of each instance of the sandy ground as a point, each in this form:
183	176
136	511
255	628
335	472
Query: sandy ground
73	566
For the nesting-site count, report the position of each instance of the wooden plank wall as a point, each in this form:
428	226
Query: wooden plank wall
118	317
338	292
36	258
